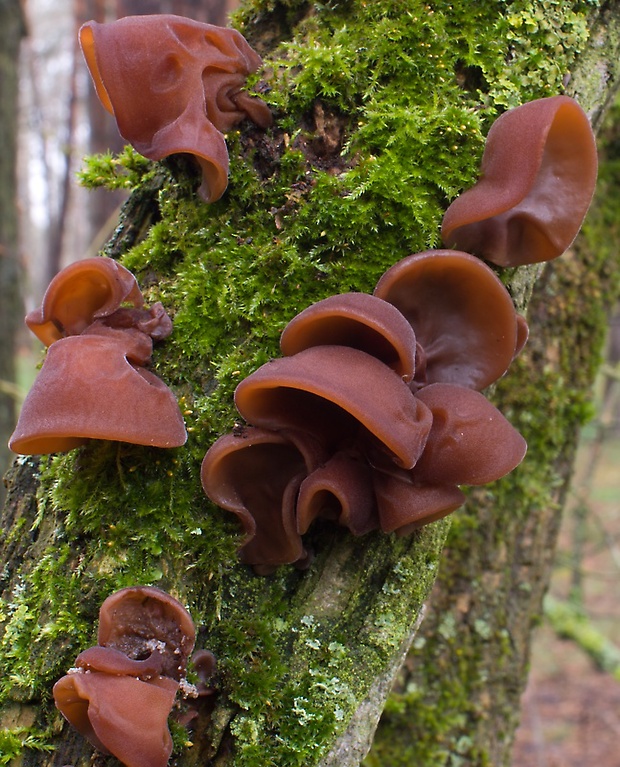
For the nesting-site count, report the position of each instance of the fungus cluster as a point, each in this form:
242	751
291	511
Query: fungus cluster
373	418
175	85
94	383
119	693
537	180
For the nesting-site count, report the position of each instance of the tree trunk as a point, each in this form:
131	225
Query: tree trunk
380	111
11	31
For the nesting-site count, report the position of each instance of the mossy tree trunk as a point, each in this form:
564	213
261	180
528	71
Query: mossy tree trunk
381	108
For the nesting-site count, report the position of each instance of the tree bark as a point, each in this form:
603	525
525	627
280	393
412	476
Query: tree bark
380	111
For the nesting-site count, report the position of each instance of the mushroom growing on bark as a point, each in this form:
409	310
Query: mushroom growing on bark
537	180
373	419
94	383
120	693
175	85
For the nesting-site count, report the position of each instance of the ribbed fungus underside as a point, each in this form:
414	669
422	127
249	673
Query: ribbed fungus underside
175	85
537	179
120	693
94	383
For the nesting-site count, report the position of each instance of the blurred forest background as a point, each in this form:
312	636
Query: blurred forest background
50	118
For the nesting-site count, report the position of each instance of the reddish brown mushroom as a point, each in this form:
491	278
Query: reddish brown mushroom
471	443
537	179
462	315
120	693
81	293
256	473
404	504
142	619
381	456
359	321
94	383
338	394
174	85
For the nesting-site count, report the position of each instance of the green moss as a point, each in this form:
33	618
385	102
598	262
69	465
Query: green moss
381	111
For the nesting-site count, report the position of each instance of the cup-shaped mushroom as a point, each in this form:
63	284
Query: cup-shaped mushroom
341	490
359	321
87	389
537	180
81	293
256	473
172	85
343	396
115	662
120	715
142	621
471	442
462	315
405	505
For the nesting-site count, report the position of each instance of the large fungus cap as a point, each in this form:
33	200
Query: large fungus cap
359	321
340	395
173	85
120	715
142	619
256	473
87	389
80	294
462	315
537	179
471	442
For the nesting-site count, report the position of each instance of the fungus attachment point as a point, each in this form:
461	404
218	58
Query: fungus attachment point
121	692
94	383
174	85
537	180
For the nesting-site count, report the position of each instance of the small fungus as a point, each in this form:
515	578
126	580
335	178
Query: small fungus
372	420
175	85
359	321
537	180
256	473
93	383
462	315
120	693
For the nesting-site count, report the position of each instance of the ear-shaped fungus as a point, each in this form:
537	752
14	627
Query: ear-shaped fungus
339	395
256	474
471	443
94	383
537	180
462	315
359	321
174	85
120	693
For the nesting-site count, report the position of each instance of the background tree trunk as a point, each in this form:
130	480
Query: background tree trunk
11	310
381	108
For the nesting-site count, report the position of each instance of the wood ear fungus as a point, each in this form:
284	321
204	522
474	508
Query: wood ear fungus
120	693
94	383
373	420
462	315
175	85
537	180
